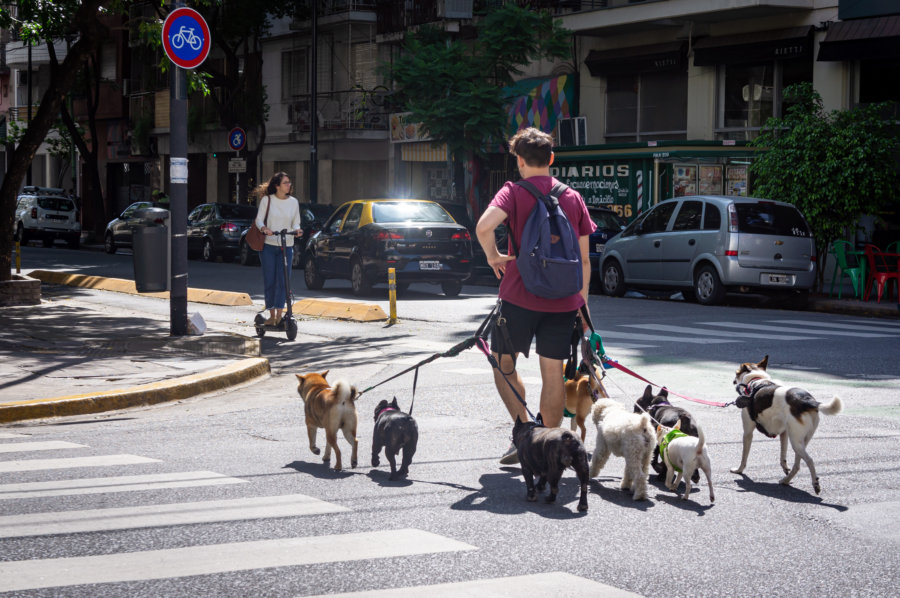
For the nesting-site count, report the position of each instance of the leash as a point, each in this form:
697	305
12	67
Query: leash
618	366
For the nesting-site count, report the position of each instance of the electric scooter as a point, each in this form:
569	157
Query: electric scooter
288	324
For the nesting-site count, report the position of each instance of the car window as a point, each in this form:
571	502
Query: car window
658	219
606	220
236	211
23	203
409	211
306	217
712	218
57	204
130	210
352	221
689	215
336	220
767	218
195	214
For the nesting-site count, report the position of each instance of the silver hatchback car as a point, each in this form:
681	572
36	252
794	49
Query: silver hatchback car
707	245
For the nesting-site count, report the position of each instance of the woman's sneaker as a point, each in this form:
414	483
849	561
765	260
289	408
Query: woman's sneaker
511	456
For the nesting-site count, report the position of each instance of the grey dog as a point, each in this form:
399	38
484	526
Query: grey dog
394	430
547	452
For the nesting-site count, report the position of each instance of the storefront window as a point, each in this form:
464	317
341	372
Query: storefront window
751	94
879	81
646	106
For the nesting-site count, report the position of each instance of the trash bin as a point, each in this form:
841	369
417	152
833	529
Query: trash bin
150	243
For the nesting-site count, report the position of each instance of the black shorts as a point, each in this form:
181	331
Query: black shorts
553	331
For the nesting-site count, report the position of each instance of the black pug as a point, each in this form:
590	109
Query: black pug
667	415
394	430
547	452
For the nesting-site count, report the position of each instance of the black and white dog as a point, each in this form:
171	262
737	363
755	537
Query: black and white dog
394	430
667	415
778	410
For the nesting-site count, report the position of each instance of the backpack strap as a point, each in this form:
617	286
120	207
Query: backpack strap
550	201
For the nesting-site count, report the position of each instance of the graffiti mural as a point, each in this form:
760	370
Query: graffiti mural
540	103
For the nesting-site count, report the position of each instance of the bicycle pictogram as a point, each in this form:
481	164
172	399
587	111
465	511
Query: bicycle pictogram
186	35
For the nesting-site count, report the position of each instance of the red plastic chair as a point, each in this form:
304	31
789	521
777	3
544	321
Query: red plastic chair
882	272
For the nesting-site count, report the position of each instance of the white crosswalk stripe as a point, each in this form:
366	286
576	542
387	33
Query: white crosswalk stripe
135	483
760	327
5	435
718	333
825	326
24	447
221	558
65	463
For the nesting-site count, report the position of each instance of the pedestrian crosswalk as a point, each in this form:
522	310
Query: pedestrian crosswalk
190	560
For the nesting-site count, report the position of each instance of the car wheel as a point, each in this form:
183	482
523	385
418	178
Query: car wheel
246	255
314	281
108	244
209	253
451	288
708	287
297	259
358	279
20	235
613	281
74	241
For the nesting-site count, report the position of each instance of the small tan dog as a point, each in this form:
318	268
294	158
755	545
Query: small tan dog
580	399
330	408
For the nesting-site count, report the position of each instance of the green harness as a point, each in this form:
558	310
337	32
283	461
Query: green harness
664	444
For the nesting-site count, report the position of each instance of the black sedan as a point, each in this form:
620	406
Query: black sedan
366	237
609	224
214	229
312	217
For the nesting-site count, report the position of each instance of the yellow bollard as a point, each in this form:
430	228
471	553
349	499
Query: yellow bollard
392	294
18	258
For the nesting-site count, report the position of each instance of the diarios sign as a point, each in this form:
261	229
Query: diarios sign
185	37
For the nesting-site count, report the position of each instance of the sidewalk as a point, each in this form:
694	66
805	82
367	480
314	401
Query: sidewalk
59	358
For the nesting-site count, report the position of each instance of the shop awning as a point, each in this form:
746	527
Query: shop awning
759	46
861	39
637	59
423	151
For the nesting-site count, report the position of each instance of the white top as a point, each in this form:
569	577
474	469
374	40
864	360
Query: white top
284	214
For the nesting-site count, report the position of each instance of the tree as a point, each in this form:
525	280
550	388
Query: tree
834	166
455	87
44	22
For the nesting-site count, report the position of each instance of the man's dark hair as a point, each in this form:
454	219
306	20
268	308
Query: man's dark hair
532	145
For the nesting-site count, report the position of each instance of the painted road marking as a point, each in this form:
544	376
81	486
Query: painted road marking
5	435
49	445
184	479
70	522
760	327
691	330
220	558
101	461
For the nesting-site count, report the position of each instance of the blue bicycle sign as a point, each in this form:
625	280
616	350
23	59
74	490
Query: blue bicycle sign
185	37
237	138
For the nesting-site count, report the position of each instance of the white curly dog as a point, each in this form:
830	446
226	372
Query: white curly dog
623	434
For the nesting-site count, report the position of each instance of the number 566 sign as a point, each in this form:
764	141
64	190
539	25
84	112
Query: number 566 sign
185	37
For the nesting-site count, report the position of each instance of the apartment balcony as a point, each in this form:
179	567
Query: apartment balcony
20	113
397	17
332	13
17	54
356	110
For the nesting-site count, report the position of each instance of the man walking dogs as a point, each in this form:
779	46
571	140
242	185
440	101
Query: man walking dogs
524	315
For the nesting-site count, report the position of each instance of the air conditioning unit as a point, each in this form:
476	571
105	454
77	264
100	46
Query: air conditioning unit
572	131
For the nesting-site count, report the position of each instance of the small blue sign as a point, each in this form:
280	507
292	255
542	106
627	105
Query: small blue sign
237	138
185	38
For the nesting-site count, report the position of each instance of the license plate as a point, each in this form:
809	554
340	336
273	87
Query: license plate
599	247
785	279
429	265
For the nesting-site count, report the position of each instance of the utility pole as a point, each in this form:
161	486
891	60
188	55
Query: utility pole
314	116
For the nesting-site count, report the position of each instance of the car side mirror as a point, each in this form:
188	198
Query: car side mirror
639	229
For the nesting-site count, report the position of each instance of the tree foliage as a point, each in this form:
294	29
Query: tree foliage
454	87
834	166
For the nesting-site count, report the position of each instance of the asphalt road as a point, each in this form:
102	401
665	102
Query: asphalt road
461	517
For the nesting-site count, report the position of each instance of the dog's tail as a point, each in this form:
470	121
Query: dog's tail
345	392
701	440
831	408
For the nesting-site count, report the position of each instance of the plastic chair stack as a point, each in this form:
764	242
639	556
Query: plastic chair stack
842	257
882	271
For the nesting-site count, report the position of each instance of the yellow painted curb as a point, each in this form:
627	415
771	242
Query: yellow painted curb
340	310
121	285
136	396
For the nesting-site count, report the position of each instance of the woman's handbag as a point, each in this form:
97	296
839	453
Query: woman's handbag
255	237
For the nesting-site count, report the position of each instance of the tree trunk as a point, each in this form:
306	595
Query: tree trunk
92	32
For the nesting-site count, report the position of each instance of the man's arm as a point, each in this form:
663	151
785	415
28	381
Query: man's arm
484	230
585	246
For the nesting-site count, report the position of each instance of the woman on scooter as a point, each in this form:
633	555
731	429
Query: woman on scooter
278	210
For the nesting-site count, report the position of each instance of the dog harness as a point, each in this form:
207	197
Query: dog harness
747	400
664	444
383	410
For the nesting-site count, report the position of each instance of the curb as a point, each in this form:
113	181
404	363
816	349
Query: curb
137	396
121	285
340	310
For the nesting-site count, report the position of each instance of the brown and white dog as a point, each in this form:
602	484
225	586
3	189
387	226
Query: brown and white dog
580	398
774	409
330	408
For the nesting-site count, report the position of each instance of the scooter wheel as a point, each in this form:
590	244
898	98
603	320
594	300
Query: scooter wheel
291	329
260	331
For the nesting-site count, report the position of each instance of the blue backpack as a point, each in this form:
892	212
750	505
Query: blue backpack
550	270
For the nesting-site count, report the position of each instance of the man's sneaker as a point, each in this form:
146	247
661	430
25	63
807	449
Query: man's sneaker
511	456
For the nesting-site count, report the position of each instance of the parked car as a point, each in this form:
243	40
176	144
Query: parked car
47	213
708	245
312	217
214	229
365	237
120	230
609	224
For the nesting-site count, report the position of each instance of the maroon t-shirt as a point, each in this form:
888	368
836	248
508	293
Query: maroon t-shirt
518	203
